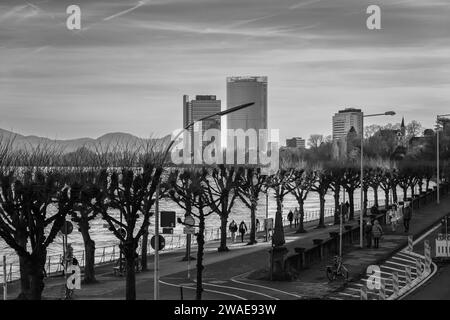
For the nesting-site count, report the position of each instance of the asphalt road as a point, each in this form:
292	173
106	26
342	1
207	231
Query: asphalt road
437	288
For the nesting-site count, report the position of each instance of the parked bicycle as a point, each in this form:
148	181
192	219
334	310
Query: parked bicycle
338	269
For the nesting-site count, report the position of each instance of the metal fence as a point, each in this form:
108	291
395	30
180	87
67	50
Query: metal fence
109	254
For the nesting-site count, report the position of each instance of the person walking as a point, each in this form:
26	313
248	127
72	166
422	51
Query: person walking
392	214
242	230
407	213
257	225
368	233
377	232
233	228
290	218
296	217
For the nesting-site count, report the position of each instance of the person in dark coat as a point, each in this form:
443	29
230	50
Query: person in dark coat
290	218
407	214
242	230
377	232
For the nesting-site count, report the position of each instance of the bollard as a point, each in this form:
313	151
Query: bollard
181	292
410	244
408	276
382	291
363	293
419	268
427	254
395	283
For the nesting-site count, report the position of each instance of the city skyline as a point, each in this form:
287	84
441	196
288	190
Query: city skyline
318	55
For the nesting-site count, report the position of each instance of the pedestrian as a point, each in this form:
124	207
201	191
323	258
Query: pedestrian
257	224
377	232
374	211
242	230
344	212
233	228
290	218
368	233
407	213
296	217
392	215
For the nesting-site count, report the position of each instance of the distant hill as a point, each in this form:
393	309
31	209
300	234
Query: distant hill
110	140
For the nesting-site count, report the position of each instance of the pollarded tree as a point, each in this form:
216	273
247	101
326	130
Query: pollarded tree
322	183
132	192
221	184
279	183
337	173
376	177
385	185
351	183
299	186
189	190
249	188
33	209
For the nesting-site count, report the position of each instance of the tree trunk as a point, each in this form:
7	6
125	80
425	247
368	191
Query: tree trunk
89	257
375	195
130	269
351	200
301	227
394	194
36	266
24	271
144	246
365	202
337	207
386	198
201	244
253	226
322	212
223	233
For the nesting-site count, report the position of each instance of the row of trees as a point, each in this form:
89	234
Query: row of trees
38	196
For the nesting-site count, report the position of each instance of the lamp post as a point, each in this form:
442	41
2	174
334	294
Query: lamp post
165	154
438	174
361	213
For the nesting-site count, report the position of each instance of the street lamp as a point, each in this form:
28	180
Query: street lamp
388	113
169	146
438	174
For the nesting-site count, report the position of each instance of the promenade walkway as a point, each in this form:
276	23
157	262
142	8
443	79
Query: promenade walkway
232	275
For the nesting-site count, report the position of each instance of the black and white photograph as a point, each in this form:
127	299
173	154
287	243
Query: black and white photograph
224	158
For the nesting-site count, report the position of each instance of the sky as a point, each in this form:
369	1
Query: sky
131	63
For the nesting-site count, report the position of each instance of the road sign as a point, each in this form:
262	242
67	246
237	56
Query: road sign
268	223
123	232
67	228
161	242
168	219
189	221
189	230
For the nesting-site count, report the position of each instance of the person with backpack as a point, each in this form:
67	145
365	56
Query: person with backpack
242	230
233	228
377	232
368	233
407	213
290	218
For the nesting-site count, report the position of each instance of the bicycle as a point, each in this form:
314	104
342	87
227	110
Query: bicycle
338	269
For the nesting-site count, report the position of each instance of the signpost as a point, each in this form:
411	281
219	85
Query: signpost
161	242
189	230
